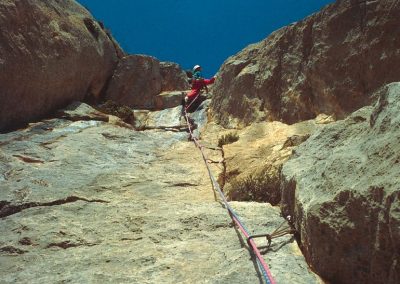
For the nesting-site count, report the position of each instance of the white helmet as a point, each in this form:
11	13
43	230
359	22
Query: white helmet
196	67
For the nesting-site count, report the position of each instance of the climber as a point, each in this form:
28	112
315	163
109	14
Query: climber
198	84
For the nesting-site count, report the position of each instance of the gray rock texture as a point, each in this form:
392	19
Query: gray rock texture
90	202
342	189
51	53
330	62
138	79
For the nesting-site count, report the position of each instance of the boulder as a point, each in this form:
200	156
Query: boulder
138	79
342	190
52	53
135	82
327	63
173	77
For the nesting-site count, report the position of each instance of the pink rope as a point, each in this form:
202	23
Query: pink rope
268	275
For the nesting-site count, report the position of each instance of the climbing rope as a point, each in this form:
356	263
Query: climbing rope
234	216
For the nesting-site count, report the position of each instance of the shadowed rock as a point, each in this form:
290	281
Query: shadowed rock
52	53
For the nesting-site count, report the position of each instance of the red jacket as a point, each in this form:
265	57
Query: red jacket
197	85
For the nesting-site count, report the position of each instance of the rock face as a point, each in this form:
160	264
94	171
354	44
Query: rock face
342	188
96	203
330	63
51	53
138	79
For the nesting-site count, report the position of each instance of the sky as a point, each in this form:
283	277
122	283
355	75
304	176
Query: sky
204	32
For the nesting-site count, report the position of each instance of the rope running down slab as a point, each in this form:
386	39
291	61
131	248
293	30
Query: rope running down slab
234	216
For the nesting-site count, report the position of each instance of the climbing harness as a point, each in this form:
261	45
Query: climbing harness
187	107
234	216
190	104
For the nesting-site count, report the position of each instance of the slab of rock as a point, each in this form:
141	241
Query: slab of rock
96	203
342	189
330	62
167	118
52	53
172	119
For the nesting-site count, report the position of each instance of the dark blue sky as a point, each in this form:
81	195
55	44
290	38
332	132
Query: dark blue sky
204	32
